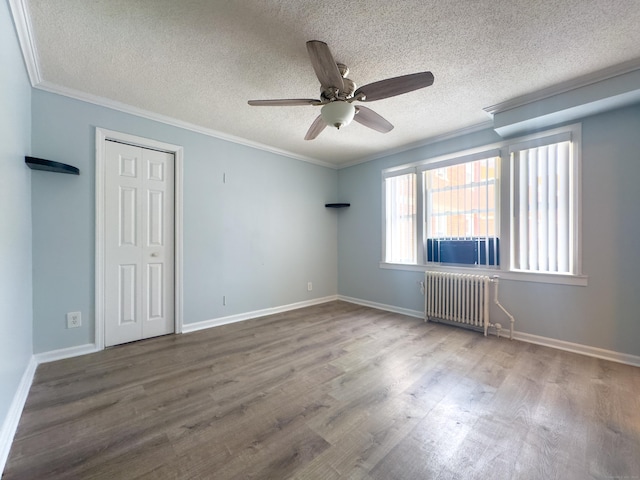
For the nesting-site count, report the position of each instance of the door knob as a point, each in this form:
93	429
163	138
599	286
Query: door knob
154	254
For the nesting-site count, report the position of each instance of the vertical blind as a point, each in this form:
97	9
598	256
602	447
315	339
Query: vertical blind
400	218
542	208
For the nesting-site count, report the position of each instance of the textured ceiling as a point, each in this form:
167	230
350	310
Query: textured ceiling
199	61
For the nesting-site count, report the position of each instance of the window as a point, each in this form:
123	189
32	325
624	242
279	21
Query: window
454	210
543	206
461	212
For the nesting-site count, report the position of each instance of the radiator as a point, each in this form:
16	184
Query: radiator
461	299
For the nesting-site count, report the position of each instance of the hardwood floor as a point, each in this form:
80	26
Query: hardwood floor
334	391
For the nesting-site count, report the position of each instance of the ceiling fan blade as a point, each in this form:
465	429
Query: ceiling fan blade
324	65
316	128
371	119
285	102
394	86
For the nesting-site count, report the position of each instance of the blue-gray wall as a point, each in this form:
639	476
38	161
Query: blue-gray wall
605	314
256	239
15	215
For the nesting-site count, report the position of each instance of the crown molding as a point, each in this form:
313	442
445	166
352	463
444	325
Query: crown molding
24	30
139	112
564	87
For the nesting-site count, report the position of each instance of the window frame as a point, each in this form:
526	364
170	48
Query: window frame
505	207
467	158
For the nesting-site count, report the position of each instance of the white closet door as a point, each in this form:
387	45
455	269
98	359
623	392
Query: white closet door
139	243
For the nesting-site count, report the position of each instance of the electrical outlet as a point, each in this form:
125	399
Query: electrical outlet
74	319
309	286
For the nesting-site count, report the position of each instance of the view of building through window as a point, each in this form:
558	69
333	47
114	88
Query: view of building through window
461	200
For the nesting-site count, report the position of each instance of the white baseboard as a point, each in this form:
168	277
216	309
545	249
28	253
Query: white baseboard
578	348
587	350
10	424
382	306
63	353
216	322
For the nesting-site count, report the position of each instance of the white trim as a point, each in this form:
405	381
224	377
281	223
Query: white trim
139	112
587	350
534	277
24	30
454	158
595	77
11	421
595	352
396	172
537	141
501	146
102	135
99	239
409	267
216	322
451	160
62	353
382	306
178	226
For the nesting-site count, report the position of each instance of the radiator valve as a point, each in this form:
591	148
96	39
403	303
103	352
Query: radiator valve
498	329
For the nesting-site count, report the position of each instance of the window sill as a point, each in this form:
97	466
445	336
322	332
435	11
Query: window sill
553	278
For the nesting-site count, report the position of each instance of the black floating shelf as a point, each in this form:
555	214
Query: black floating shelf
337	205
50	166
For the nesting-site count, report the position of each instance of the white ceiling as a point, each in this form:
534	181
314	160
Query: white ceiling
199	61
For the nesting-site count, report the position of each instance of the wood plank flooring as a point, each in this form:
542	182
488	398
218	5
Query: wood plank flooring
334	391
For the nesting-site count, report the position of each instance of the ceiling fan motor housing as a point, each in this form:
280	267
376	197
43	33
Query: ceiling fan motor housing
349	86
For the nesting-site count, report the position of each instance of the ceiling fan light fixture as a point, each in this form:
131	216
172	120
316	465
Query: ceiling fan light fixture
338	114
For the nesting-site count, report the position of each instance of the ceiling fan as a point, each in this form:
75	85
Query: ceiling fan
337	93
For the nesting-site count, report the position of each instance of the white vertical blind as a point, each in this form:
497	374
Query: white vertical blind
543	209
532	200
552	219
400	218
523	214
544	205
565	208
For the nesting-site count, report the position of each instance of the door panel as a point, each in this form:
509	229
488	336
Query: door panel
154	276
127	291
156	217
139	247
127	220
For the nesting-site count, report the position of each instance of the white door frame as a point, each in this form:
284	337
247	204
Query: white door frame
101	136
